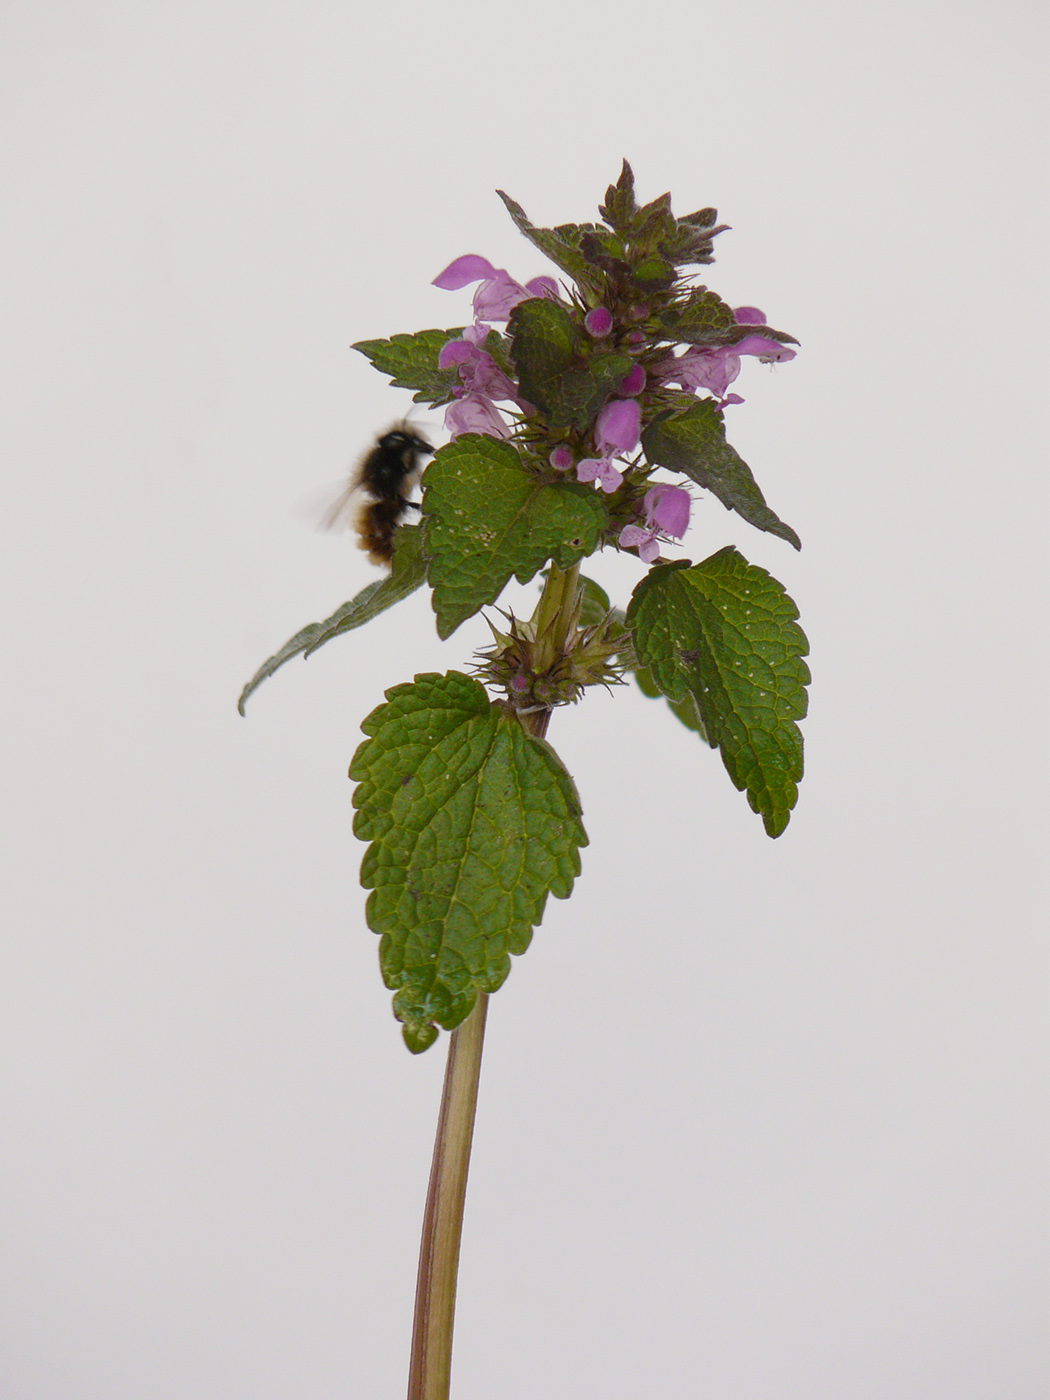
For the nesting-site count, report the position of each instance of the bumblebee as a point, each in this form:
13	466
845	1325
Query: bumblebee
385	476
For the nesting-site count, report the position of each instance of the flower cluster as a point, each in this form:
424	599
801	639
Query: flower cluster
624	308
482	383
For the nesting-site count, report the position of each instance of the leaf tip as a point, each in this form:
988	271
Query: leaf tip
419	1037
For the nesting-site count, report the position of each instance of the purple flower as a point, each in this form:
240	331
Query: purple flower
601	470
666	513
716	368
667	507
561	457
478	371
618	425
498	294
616	431
474	413
481	382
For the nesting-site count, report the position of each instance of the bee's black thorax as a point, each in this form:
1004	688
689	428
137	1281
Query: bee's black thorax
393	460
387	474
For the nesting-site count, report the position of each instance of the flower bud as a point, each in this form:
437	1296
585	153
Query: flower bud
598	322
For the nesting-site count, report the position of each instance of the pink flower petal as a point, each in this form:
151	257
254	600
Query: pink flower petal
618	425
497	297
542	287
609	478
471	267
748	316
764	348
599	469
475	414
667	507
455	352
632	536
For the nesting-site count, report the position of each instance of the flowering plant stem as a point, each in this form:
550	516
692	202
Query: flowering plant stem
554	620
431	1362
430	1365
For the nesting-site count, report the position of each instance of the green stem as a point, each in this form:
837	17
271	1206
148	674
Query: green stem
430	1369
555	613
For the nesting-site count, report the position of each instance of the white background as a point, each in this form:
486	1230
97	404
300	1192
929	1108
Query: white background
758	1119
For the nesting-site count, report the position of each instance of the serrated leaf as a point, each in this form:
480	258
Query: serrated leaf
654	221
619	203
693	240
584	388
561	244
412	363
694	442
700	220
724	632
487	519
407	573
472	824
544	338
704	319
683	710
556	370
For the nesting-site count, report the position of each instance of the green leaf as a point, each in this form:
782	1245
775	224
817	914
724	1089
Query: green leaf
606	250
543	346
704	319
561	244
684	710
654	222
595	605
498	346
694	236
653	272
557	369
412	363
724	633
487	518
472	823
694	442
408	572
619	205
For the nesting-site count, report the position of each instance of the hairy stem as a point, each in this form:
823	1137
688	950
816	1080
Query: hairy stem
556	614
430	1368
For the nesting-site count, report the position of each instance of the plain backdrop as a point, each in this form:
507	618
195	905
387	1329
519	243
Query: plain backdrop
757	1119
